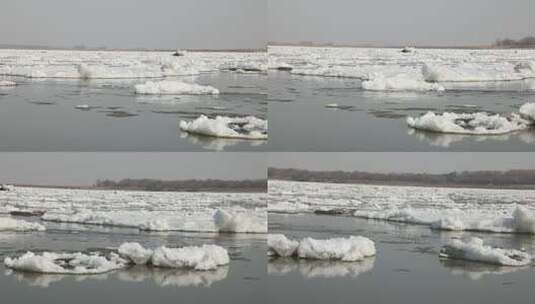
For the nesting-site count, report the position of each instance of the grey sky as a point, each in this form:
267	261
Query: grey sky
85	168
403	162
132	24
388	22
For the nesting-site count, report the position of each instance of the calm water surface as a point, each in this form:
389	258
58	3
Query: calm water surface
407	268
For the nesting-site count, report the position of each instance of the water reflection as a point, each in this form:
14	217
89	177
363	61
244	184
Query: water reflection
162	277
445	140
311	269
218	144
476	271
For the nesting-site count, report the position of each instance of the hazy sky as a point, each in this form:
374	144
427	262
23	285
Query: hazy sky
85	168
390	22
403	162
131	23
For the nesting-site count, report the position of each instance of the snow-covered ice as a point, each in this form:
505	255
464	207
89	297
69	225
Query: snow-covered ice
412	69
66	263
350	249
280	245
353	248
459	209
170	87
475	250
400	82
121	64
480	123
135	253
248	127
206	257
527	110
152	211
11	224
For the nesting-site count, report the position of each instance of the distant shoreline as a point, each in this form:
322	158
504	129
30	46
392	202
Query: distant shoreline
90	188
431	47
415	184
45	48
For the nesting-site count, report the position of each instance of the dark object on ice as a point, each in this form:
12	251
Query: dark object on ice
406	50
27	213
4	188
245	69
179	53
285	69
119	114
338	211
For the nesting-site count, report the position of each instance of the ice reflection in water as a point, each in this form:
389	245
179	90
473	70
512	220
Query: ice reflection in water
311	269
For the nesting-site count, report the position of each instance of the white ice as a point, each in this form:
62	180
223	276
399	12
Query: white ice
475	250
135	253
11	224
280	245
400	82
7	83
66	263
170	87
353	248
248	127
206	257
350	249
479	123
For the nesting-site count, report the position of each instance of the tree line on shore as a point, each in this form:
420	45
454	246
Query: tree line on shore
191	185
524	179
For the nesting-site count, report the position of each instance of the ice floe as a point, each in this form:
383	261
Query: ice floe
238	222
248	127
522	220
480	123
169	87
474	72
280	245
527	110
400	82
135	253
66	263
11	224
475	250
350	249
206	257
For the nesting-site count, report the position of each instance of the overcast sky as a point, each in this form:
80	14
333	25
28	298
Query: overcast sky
85	168
430	162
133	24
389	22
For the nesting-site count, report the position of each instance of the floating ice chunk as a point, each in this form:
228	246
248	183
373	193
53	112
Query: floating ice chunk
280	245
7	83
523	220
238	222
527	111
168	87
475	250
248	127
66	263
354	248
10	224
400	82
206	257
479	123
135	253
